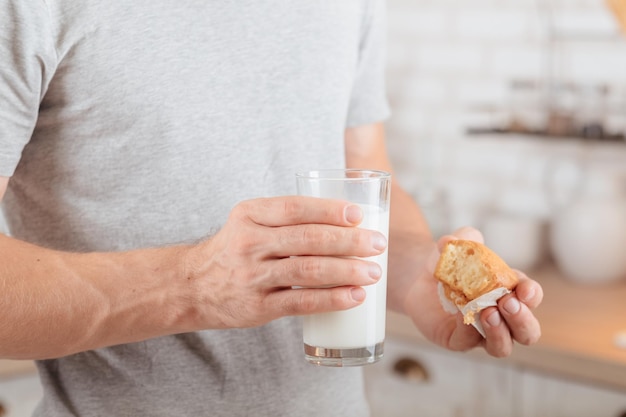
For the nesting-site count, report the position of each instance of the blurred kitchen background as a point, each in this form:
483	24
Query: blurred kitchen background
507	112
509	115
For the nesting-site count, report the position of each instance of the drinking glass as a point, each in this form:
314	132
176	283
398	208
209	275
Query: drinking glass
356	336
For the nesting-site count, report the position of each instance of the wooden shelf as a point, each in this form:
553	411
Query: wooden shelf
579	325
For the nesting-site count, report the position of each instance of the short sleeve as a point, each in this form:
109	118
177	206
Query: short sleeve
368	102
26	55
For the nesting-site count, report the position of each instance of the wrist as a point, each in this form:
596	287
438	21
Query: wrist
143	294
406	266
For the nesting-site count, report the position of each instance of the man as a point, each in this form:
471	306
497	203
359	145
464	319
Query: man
148	152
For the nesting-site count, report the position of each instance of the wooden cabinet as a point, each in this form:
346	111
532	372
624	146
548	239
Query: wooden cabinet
422	380
19	395
428	382
415	380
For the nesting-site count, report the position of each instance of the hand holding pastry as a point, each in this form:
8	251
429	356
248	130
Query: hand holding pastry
511	320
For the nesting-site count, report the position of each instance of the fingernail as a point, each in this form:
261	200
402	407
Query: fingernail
358	294
375	271
494	319
530	295
354	214
511	305
379	242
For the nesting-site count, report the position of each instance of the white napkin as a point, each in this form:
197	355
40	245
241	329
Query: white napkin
474	307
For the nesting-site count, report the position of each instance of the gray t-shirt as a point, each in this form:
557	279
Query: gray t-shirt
142	123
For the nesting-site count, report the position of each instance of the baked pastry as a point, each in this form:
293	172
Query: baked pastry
468	270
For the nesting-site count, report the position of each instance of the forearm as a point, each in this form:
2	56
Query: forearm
410	243
56	303
410	240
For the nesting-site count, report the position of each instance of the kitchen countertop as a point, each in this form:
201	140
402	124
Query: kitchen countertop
579	326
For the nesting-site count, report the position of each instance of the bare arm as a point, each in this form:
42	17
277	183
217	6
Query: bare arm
56	303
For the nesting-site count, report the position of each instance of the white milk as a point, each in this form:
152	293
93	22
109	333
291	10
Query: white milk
363	325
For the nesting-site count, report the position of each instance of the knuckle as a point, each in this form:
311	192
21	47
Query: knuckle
355	272
355	269
290	209
360	238
315	234
358	272
308	301
503	352
339	300
240	210
306	233
529	338
500	348
247	245
309	267
290	308
356	235
244	246
293	305
243	241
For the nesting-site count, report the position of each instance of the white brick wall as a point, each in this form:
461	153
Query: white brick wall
450	67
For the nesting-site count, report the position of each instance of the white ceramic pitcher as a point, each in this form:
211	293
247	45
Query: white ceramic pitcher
588	234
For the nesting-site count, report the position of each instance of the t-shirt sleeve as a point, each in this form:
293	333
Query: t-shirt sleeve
368	103
26	56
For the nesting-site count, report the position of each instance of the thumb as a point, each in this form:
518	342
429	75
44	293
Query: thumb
465	233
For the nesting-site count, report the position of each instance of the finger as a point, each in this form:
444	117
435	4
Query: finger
320	239
318	271
283	211
303	301
523	325
469	233
498	341
528	291
463	337
465	233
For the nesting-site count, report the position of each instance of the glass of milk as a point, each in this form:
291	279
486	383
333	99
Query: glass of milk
356	336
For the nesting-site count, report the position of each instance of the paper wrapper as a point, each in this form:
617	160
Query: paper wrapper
471	311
